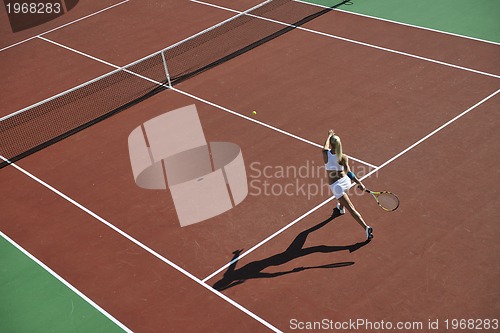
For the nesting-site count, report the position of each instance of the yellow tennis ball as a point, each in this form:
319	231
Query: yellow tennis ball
254	112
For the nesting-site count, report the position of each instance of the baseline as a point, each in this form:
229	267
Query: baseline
66	283
354	41
143	246
117	68
401	23
361	178
64	25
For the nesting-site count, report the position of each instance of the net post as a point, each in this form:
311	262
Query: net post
166	69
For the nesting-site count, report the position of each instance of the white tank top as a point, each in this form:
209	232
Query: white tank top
333	164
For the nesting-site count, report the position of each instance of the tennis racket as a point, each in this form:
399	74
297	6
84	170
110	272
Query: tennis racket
387	200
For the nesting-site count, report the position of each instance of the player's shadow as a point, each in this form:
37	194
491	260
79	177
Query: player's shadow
254	270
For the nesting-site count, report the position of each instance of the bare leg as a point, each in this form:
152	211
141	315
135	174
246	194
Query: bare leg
346	202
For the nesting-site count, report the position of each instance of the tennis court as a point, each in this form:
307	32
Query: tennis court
84	248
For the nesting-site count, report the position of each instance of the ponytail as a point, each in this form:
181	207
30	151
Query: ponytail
337	144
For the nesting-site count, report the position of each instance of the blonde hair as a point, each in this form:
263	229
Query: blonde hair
337	144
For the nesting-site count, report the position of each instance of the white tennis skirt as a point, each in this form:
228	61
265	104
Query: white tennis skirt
340	186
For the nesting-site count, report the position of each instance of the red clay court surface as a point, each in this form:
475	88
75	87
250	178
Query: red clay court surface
435	257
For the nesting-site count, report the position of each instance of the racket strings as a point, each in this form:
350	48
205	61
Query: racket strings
388	200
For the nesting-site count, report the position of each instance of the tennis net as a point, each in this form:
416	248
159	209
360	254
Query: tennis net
38	126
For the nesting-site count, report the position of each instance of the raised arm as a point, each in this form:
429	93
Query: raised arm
327	146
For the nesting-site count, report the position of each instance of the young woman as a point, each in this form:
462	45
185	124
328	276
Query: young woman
339	178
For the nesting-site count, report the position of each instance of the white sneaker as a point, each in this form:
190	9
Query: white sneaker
369	232
342	211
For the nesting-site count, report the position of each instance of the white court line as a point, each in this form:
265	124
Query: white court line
143	246
79	52
298	219
57	95
262	123
130	64
66	283
197	98
219	24
362	178
255	247
64	25
400	23
355	41
434	132
179	268
281	230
